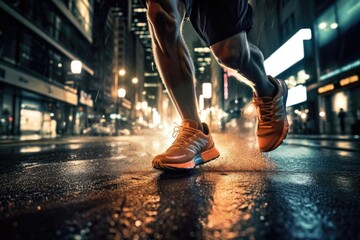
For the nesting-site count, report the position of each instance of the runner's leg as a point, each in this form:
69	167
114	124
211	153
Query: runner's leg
172	57
246	59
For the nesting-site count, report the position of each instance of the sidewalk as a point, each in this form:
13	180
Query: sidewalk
335	142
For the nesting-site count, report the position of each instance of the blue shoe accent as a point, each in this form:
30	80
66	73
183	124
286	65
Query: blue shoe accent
198	160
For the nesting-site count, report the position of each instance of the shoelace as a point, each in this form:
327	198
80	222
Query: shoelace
181	135
265	114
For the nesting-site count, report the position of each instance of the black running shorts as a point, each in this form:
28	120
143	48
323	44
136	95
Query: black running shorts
217	20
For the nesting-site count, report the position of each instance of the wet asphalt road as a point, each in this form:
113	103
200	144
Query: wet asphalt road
105	188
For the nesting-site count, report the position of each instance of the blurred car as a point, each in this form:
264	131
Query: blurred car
100	129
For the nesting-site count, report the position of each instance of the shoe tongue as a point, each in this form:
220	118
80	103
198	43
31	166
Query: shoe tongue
190	124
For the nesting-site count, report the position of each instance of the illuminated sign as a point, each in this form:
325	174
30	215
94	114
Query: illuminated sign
349	80
86	99
341	70
36	85
226	86
296	95
288	54
326	88
206	90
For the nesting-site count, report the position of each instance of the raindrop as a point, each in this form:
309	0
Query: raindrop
106	39
97	94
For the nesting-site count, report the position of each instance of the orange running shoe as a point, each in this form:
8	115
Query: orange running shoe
191	147
272	120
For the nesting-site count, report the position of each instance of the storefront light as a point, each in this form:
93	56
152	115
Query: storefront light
76	66
340	100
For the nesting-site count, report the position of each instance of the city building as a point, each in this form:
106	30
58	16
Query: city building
119	60
39	92
312	45
337	31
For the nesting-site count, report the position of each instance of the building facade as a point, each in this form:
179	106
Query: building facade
337	31
326	78
38	41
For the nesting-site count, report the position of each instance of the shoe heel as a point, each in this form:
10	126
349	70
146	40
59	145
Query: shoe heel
210	154
206	156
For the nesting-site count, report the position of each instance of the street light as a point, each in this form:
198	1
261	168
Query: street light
75	68
135	80
122	72
121	92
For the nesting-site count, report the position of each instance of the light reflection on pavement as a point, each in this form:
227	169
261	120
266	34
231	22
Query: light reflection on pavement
105	188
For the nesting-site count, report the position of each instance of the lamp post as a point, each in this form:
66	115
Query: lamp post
121	92
122	73
75	67
135	80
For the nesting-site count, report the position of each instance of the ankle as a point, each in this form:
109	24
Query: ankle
269	90
200	127
193	123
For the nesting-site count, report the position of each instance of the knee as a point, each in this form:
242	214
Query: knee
235	58
164	22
